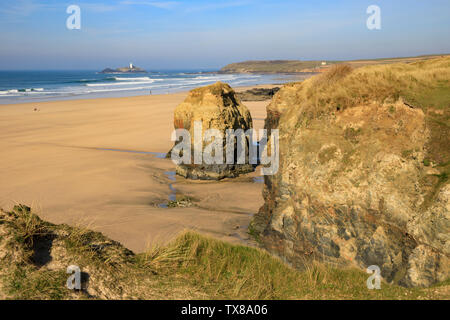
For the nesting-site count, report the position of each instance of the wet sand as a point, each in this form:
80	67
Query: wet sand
97	163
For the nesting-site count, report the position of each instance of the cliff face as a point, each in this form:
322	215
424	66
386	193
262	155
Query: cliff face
363	178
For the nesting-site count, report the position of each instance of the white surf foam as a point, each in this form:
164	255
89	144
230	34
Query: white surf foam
128	83
132	79
118	89
19	92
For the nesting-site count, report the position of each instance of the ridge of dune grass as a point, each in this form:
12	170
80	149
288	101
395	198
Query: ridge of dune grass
190	267
423	84
238	272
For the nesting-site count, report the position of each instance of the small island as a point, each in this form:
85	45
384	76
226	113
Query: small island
130	69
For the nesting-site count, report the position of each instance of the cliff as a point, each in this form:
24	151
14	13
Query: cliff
364	166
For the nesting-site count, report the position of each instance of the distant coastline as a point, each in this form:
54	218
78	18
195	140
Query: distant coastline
308	66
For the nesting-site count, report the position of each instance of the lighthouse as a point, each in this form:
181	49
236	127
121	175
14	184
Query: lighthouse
131	65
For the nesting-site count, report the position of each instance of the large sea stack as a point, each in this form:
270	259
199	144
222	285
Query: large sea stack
364	167
216	107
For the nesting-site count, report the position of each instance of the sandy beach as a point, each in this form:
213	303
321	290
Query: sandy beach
96	163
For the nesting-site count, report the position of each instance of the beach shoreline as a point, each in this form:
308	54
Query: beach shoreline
22	87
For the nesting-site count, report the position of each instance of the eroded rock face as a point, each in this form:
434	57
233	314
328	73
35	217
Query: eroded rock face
350	190
216	107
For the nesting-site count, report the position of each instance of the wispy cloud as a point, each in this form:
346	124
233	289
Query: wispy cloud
98	7
24	8
219	5
156	4
189	6
20	8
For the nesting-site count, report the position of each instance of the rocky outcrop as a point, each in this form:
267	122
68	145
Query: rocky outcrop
216	107
258	94
132	69
359	182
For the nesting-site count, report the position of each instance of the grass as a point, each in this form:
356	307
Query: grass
227	271
424	84
190	267
26	283
27	226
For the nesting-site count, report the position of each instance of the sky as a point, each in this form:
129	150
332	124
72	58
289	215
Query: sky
199	34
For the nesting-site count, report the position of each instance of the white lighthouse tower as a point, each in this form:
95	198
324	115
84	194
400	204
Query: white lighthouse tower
131	65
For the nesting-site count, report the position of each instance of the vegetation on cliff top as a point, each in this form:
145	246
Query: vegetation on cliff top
34	255
422	84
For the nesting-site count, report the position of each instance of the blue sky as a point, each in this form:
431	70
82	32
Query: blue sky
195	34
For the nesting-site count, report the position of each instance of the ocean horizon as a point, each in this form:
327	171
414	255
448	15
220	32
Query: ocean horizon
46	85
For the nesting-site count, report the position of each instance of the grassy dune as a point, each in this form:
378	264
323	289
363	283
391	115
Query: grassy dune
35	254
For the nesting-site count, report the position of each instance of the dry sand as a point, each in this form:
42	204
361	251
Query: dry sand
55	160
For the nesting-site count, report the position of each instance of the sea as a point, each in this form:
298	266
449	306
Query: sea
34	86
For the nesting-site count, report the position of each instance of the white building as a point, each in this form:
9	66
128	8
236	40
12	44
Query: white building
131	65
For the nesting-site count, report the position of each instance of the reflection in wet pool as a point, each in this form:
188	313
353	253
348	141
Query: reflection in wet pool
171	175
173	194
258	179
